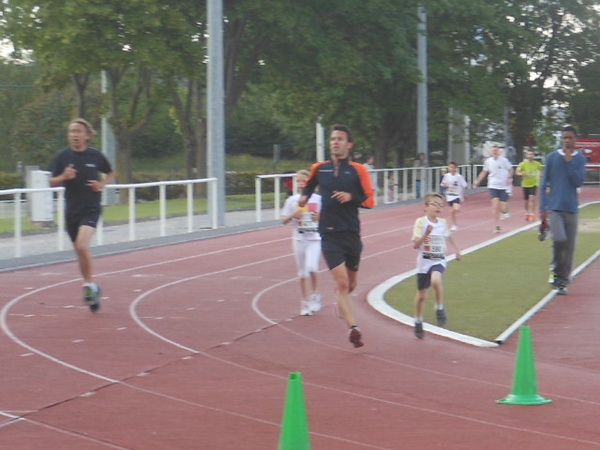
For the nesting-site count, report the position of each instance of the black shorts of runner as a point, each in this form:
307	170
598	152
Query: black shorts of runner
456	201
529	192
499	194
74	221
343	247
424	279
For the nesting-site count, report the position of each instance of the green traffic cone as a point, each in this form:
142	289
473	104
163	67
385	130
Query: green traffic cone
294	430
525	391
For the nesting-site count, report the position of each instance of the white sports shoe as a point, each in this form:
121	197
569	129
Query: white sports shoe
505	216
306	309
314	303
453	228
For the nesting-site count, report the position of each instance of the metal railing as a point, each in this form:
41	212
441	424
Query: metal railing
131	188
399	185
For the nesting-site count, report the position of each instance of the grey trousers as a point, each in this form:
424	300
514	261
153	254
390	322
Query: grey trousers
563	226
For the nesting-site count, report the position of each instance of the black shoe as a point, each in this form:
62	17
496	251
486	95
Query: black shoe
562	289
355	337
92	297
441	317
419	333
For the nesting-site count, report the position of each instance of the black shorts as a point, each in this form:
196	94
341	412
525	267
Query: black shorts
342	247
499	194
424	279
75	220
529	191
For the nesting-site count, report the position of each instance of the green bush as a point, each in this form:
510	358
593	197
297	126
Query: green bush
10	180
152	193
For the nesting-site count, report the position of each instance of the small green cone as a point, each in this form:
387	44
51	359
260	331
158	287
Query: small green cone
525	390
294	430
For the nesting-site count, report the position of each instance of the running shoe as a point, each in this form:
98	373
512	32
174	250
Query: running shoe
505	216
314	303
305	310
355	337
498	230
440	314
91	297
419	333
453	228
562	289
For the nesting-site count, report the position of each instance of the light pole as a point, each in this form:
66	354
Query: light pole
422	132
215	107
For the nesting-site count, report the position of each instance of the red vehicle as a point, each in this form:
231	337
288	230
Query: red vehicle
590	147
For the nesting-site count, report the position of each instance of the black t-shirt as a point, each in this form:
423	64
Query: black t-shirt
88	163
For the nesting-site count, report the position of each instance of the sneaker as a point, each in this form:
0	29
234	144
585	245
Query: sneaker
305	310
562	289
314	303
419	333
355	337
440	314
498	230
92	297
505	216
453	228
553	279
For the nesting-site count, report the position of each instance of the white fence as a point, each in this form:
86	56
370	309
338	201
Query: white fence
18	213
399	184
395	185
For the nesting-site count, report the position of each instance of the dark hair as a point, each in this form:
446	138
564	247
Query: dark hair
452	163
570	128
345	129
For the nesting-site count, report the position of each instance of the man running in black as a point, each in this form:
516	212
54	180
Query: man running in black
344	186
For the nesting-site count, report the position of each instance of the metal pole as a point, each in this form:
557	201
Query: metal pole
422	131
215	106
320	141
108	145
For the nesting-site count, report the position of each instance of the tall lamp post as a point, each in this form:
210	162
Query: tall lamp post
422	131
215	106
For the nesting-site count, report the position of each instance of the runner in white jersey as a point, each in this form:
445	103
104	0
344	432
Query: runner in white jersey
499	171
430	234
454	185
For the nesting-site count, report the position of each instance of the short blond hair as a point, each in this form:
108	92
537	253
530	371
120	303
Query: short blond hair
88	126
431	195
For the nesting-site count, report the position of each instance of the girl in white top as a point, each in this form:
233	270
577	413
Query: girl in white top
306	242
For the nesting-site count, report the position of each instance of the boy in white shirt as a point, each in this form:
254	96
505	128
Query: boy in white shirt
430	234
454	185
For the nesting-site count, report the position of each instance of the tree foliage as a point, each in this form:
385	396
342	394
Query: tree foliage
289	63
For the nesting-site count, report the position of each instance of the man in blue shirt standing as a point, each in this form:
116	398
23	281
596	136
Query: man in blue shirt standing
564	173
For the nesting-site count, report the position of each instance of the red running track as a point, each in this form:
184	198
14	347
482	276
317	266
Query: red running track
195	342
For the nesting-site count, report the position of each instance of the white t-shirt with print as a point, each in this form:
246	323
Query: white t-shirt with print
305	227
433	249
498	172
455	186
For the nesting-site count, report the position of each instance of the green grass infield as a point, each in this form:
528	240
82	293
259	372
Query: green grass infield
491	288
